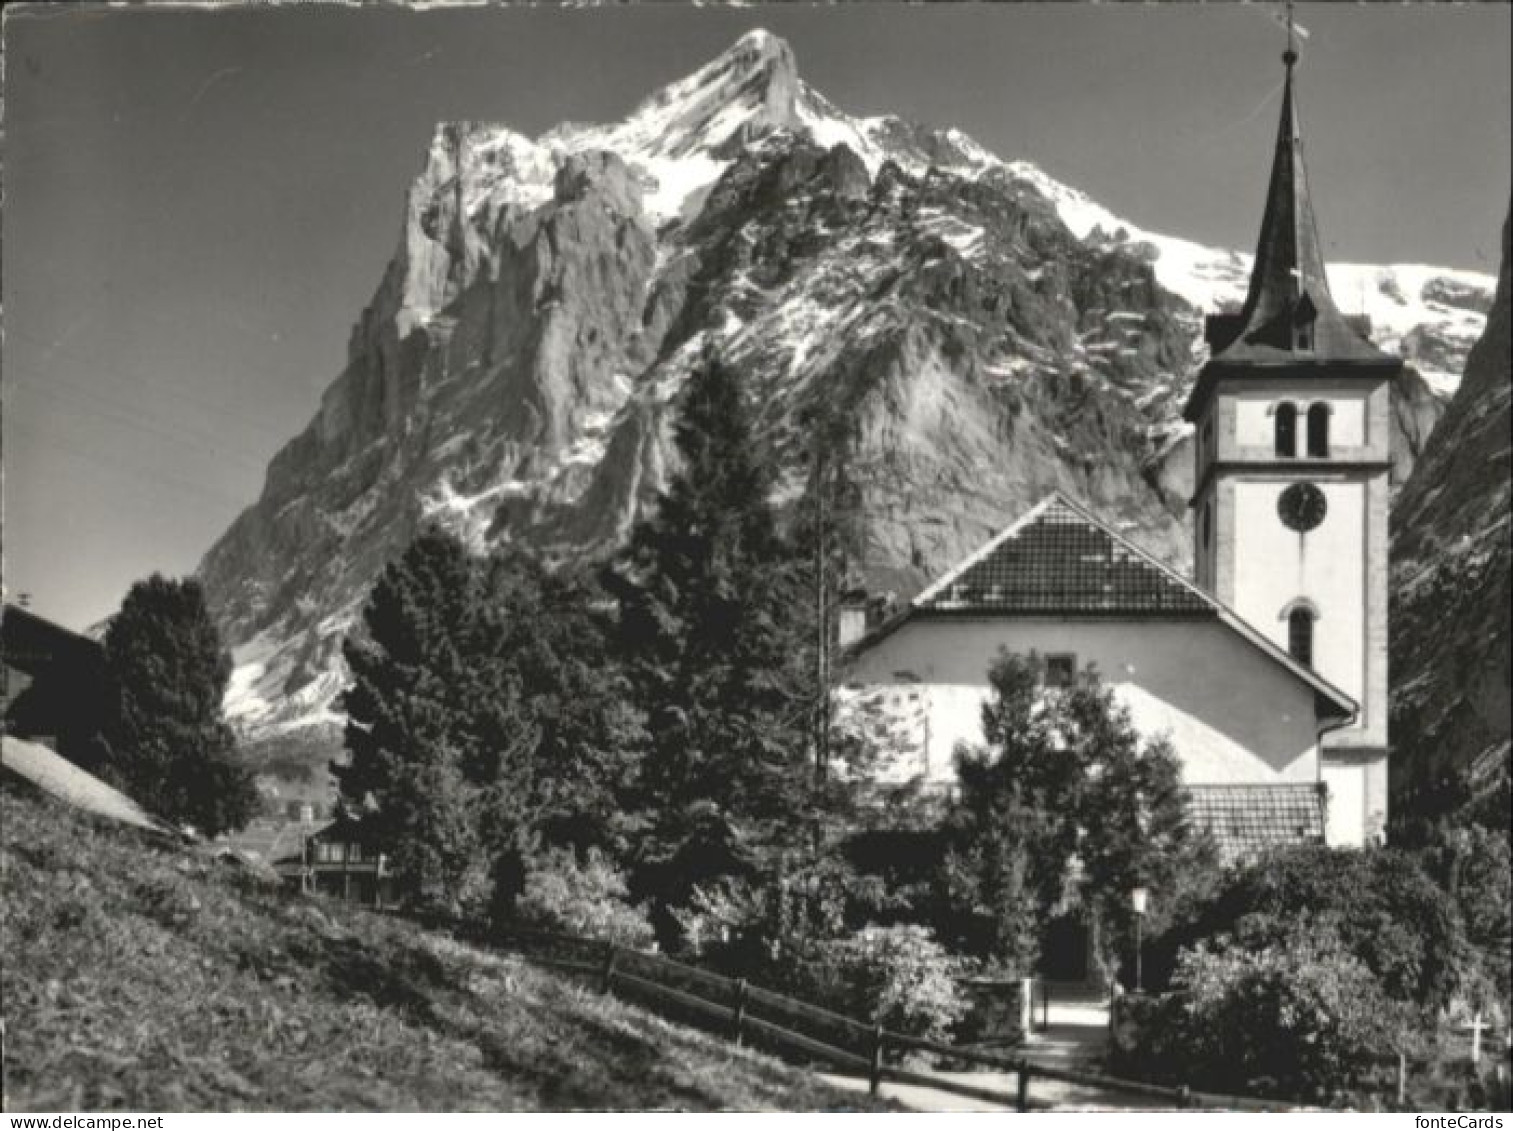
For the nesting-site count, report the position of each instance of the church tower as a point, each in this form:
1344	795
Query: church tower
1292	414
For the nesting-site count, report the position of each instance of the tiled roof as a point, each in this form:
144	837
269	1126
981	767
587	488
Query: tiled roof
1246	820
1058	559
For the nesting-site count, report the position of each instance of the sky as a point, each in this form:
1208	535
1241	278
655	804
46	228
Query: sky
198	204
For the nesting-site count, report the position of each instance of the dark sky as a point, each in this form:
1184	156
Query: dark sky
197	204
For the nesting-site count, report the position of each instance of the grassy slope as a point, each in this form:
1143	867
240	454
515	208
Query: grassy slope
145	978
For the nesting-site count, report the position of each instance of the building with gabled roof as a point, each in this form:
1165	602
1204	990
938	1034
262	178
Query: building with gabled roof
52	686
1268	669
1244	716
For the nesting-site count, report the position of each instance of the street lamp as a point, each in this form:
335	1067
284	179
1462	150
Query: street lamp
1138	897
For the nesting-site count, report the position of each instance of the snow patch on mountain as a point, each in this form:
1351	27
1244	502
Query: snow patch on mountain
536	280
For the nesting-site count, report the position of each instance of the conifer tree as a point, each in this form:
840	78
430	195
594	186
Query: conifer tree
406	735
169	741
711	625
485	719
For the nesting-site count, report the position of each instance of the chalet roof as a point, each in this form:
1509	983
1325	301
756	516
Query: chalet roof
30	642
1061	561
1247	820
54	774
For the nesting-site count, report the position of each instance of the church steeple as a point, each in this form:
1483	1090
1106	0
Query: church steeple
1289	315
1292	461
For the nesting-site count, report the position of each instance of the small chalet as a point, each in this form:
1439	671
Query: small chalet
1243	715
54	686
338	859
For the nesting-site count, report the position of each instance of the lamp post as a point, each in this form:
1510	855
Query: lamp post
1137	900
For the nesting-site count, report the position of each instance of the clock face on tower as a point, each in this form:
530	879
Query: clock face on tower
1302	507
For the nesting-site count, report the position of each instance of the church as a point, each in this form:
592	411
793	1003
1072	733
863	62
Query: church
1267	670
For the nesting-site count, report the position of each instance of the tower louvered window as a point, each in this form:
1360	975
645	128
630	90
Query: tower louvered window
1287	430
1318	431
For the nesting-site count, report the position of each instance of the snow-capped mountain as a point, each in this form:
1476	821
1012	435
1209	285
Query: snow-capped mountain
991	333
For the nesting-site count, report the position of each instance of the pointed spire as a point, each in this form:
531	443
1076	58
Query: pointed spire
1289	313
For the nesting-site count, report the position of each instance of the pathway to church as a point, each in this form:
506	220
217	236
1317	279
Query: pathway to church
1075	1038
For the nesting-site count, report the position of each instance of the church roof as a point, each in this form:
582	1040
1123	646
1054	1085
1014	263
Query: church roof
1247	820
1289	317
1061	561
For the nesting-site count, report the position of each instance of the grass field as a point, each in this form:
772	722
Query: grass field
141	977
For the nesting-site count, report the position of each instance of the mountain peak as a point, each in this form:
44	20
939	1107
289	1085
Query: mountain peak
751	87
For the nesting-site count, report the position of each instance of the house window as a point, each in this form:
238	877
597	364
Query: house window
354	853
1287	430
1300	635
1318	430
1060	669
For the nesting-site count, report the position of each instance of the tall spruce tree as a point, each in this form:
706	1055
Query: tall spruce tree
485	718
169	741
712	628
406	735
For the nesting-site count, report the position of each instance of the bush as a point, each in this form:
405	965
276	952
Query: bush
898	977
588	899
1387	913
1299	1017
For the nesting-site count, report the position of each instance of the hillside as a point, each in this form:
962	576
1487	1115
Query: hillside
141	978
1451	649
987	333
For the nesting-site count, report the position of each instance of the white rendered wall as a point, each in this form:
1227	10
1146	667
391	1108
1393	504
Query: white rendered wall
1233	714
1274	566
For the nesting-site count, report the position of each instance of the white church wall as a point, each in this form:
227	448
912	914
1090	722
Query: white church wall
1232	714
1275	566
1356	813
1345	811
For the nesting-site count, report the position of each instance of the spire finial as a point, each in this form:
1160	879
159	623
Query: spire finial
1290	56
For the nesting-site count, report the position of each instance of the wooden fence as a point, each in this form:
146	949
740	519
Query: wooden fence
749	1014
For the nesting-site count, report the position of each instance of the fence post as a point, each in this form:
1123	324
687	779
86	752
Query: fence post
1024	1086
740	1009
875	1069
1045	1006
610	954
1402	1077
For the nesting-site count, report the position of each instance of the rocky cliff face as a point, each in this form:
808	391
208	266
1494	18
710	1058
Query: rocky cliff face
1450	549
991	333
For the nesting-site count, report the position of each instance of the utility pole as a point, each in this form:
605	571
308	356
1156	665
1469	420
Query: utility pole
821	611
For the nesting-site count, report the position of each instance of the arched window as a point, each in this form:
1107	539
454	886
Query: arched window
1287	429
1318	430
1300	634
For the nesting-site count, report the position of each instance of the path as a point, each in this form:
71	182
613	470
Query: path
1075	1038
